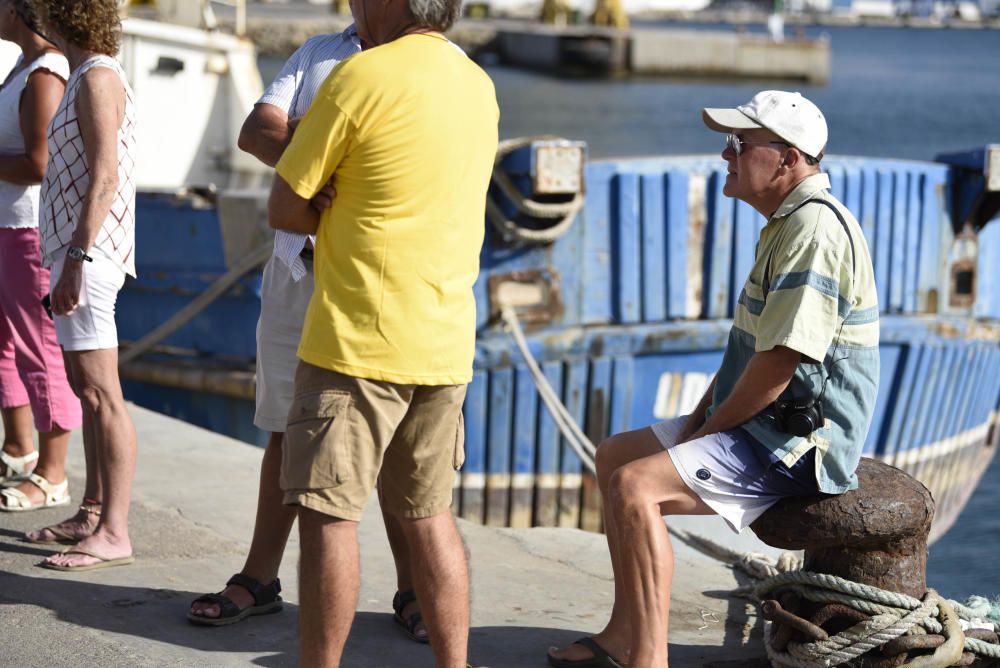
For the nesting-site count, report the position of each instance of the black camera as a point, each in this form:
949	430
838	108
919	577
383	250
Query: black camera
799	417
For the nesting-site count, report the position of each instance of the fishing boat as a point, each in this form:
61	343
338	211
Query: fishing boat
620	275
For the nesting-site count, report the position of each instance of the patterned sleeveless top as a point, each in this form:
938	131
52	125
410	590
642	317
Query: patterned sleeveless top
68	176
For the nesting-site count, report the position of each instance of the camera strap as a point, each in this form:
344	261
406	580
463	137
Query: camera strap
766	281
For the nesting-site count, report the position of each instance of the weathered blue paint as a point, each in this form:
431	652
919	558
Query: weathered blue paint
549	437
525	419
677	232
179	255
988	291
718	249
476	436
622	399
655	256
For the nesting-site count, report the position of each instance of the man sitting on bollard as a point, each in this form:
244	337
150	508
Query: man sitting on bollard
789	408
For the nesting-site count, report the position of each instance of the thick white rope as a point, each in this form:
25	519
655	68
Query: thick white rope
508	228
571	431
894	614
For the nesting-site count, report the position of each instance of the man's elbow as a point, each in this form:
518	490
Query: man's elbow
785	360
276	216
243	141
282	216
248	141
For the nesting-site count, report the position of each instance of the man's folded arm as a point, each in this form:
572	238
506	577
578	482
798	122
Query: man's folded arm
288	211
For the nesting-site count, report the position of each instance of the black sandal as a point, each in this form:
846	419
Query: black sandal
409	624
265	598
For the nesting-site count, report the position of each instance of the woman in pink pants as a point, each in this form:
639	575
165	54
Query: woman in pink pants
32	376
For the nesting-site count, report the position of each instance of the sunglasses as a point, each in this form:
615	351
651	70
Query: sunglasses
737	143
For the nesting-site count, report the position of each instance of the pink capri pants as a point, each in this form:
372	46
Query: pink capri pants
31	362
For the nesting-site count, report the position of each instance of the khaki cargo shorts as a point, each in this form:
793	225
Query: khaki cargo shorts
344	433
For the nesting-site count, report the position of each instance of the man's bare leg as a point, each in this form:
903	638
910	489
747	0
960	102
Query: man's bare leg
270	532
329	578
441	579
612	454
640	494
401	557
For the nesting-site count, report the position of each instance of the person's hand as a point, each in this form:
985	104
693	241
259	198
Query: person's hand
66	293
324	198
691	427
293	123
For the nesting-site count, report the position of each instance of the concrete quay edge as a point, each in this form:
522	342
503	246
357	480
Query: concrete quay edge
191	520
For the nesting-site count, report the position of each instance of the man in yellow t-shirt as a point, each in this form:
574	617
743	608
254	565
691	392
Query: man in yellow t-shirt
407	131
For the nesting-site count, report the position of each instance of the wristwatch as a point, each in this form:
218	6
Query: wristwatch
78	254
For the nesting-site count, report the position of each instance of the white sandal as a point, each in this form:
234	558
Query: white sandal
16	466
16	501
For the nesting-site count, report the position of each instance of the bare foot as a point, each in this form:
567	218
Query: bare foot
78	527
234	592
100	543
580	652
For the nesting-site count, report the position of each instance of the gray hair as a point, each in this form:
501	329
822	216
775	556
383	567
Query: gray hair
26	11
436	14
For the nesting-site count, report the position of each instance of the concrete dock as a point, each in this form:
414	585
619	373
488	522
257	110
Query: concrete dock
192	515
580	49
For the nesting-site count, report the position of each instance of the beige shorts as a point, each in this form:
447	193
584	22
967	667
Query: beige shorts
344	432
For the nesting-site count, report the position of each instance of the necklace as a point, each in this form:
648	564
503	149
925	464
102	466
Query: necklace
435	35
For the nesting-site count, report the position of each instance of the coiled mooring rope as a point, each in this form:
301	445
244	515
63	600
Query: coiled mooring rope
564	213
891	615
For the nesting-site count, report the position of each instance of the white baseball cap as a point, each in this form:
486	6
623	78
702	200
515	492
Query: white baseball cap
788	115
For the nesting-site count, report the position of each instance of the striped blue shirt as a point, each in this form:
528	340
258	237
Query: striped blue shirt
808	292
293	91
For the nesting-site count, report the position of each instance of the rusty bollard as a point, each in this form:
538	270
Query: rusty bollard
875	534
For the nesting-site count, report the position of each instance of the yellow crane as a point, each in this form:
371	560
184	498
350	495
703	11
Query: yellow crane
609	13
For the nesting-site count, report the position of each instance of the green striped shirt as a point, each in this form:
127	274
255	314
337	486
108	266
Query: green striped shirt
815	306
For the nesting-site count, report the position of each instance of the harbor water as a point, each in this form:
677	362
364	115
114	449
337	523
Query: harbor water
894	92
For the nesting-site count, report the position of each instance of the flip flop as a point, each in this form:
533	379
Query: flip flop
61	537
102	562
601	658
265	598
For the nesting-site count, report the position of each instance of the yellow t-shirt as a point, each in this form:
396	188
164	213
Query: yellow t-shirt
409	132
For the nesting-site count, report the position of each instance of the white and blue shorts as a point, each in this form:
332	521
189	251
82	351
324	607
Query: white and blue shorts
734	474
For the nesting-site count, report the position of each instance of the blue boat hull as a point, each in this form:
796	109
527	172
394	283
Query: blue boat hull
638	296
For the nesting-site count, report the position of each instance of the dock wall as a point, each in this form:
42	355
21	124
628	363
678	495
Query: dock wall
728	54
576	48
